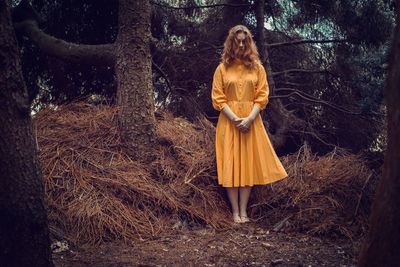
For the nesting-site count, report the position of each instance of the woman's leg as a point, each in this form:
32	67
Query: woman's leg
233	198
244	199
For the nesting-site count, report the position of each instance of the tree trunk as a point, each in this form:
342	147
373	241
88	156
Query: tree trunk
260	30
282	119
132	59
133	70
24	229
382	245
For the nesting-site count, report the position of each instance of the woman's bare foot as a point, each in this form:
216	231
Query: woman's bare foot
244	219
236	218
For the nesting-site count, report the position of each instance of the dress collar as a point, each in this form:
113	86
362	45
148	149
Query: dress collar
238	61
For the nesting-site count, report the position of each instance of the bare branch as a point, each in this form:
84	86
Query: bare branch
163	74
296	42
71	52
312	99
316	136
286	72
197	7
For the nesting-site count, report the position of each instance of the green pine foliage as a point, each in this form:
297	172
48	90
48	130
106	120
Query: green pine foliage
339	92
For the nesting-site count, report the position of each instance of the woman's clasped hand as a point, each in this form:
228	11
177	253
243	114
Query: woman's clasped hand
243	124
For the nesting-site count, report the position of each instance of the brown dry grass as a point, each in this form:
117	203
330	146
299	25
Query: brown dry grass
97	193
322	195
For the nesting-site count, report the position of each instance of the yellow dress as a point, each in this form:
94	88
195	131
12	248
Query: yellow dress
243	159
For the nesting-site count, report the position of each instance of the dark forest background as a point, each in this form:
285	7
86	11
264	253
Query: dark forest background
326	63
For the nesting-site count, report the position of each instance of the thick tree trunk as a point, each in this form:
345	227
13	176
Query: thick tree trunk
130	55
24	239
382	246
282	119
133	70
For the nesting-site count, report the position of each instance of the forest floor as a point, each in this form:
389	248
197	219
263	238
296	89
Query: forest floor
244	245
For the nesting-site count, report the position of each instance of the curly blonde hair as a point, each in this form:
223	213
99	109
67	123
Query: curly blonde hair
250	56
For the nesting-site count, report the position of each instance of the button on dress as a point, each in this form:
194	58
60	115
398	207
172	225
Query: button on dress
243	159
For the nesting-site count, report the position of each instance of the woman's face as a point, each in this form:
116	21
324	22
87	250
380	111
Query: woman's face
241	37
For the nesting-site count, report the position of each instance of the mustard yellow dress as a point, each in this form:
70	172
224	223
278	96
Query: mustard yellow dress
243	159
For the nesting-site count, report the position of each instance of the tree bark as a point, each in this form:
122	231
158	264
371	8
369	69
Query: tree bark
261	42
24	239
131	58
134	77
283	119
382	245
76	53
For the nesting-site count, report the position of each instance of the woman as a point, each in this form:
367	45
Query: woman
245	156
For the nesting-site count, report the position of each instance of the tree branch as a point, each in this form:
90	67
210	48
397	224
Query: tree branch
296	42
315	135
276	45
285	72
194	7
163	74
71	52
312	99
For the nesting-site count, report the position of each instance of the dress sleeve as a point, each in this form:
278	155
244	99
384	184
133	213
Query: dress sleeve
218	96
262	90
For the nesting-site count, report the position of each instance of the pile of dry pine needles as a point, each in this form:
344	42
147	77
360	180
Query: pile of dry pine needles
96	192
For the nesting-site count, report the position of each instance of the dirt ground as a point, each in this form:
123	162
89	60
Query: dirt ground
244	245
